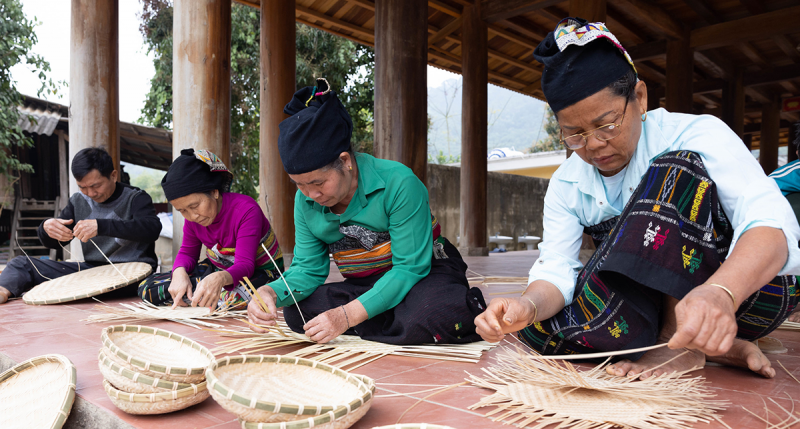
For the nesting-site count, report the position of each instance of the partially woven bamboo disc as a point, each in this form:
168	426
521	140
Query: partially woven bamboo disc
158	353
87	283
37	393
127	380
319	422
156	403
268	389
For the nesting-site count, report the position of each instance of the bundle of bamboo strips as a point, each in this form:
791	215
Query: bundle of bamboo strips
196	317
528	390
787	422
790	326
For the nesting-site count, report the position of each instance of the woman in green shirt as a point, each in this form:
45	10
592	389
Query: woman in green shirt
404	282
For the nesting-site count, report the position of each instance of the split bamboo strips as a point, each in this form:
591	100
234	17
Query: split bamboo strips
196	317
531	392
790	326
784	422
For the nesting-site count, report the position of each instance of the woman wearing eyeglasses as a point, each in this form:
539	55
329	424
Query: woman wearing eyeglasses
695	245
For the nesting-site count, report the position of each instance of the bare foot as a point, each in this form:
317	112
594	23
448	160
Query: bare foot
641	369
795	316
745	354
4	294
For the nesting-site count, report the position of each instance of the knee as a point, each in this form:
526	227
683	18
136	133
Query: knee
19	262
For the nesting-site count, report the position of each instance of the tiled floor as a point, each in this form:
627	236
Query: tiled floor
28	331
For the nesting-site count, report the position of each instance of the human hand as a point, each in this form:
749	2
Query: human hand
706	321
795	316
85	229
55	229
327	325
257	315
5	294
503	316
207	292
180	286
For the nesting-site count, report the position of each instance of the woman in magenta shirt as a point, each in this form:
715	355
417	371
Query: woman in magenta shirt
231	226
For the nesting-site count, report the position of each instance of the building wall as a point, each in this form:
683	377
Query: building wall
515	203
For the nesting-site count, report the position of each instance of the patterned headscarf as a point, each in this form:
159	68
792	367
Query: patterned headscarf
580	59
195	171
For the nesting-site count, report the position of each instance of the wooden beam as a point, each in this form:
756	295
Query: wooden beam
526	28
679	76
787	47
733	103
590	10
755	27
648	51
338	33
770	128
366	4
655	17
752	53
773	75
333	21
445	31
448	57
145	139
498	10
444	7
703	11
512	37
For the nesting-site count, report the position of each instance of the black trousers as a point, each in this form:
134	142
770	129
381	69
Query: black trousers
20	276
441	308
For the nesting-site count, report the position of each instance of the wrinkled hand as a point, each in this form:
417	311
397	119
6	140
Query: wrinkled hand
180	286
503	316
55	229
257	315
85	229
706	321
795	317
206	294
327	325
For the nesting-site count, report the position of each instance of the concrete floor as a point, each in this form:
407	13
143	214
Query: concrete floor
28	331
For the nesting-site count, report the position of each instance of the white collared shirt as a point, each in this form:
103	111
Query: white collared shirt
576	197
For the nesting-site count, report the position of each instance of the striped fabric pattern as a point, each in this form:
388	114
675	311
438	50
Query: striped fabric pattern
224	257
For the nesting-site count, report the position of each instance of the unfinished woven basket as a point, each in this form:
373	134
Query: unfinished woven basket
87	283
158	353
37	393
127	380
156	403
268	389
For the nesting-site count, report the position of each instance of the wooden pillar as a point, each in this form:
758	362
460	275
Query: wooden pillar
276	191
401	44
474	128
93	82
733	102
201	83
747	139
63	170
590	10
794	141
653	99
679	76
770	130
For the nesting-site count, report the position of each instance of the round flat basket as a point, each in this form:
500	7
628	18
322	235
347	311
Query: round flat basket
87	283
127	380
37	393
412	426
156	403
269	389
158	353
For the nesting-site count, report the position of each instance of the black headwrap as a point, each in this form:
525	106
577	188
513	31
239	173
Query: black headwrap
317	132
192	172
580	59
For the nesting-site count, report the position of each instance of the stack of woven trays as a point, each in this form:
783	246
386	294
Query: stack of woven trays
282	392
152	371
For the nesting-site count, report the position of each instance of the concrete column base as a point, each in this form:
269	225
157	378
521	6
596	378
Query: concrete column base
473	251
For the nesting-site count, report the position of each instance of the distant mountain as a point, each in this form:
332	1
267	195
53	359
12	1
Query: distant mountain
515	120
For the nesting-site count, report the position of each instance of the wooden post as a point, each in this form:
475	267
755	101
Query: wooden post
733	102
653	100
679	76
276	192
474	128
747	139
770	130
590	10
93	83
201	83
401	44
794	141
63	171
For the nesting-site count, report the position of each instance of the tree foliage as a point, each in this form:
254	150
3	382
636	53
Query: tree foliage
18	38
348	67
553	139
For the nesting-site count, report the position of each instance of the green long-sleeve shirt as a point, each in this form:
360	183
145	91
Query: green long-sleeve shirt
389	198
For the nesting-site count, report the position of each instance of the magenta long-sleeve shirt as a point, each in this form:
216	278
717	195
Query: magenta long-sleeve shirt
240	225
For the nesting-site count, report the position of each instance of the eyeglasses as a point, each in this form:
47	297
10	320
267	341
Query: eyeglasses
604	133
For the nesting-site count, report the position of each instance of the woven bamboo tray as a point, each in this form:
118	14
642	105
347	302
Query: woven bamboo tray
87	283
156	403
37	393
269	389
127	380
158	353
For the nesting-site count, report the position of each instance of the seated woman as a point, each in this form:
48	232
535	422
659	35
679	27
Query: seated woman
690	233
231	226
404	282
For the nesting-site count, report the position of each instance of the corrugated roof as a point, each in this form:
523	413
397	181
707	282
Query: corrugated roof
37	120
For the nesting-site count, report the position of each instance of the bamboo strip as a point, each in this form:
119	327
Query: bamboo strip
254	294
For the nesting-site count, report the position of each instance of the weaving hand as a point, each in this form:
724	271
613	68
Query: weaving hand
207	292
85	229
55	229
706	321
327	325
180	286
257	315
504	316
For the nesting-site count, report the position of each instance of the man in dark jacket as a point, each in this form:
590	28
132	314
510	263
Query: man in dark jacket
118	218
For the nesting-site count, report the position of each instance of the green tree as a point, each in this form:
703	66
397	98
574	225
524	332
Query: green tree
18	37
349	68
553	139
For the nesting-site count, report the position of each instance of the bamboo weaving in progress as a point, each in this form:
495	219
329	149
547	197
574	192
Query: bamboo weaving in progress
196	317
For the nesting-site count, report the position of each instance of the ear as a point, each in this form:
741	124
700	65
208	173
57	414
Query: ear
114	176
641	95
